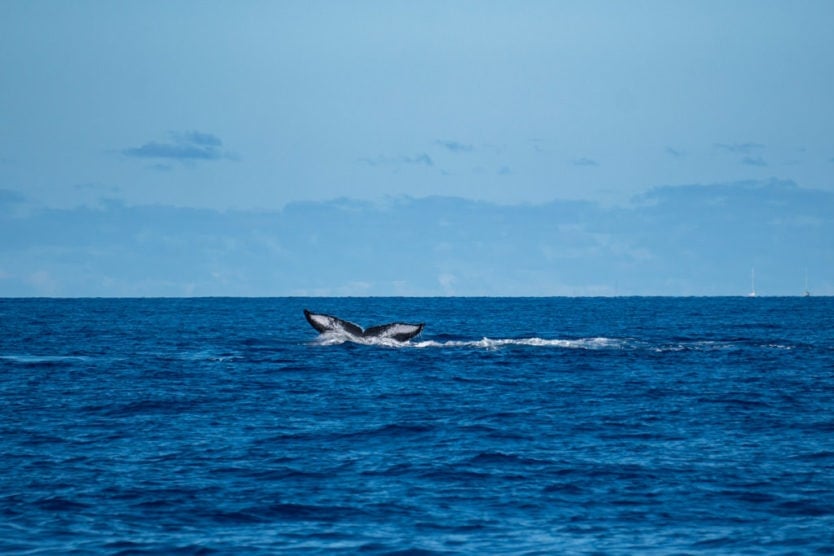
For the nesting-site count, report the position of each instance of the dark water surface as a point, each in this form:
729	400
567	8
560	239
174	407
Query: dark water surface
511	426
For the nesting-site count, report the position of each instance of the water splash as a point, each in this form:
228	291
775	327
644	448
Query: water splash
496	343
591	343
329	339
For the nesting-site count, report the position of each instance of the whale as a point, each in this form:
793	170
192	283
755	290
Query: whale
397	331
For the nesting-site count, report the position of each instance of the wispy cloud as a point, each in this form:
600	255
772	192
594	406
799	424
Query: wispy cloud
740	148
9	196
753	161
454	146
97	187
539	145
584	161
749	153
421	159
188	146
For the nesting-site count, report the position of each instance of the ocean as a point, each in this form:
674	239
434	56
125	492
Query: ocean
509	426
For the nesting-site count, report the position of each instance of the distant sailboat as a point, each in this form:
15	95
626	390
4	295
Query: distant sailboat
807	291
752	283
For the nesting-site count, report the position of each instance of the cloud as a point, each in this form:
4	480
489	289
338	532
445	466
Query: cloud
10	197
681	240
455	146
540	145
748	152
584	161
200	138
188	146
43	283
97	187
753	161
421	159
740	148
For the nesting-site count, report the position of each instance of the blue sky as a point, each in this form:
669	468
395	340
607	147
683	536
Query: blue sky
176	142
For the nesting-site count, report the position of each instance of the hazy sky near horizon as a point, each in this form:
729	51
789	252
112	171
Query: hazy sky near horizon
241	105
416	148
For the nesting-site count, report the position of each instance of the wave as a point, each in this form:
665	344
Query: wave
45	360
201	355
718	345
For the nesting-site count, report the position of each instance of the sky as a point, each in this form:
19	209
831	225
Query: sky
482	148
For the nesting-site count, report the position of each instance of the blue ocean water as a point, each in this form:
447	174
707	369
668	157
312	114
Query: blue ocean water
510	426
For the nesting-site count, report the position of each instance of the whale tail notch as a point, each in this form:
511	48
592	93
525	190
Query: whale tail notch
398	331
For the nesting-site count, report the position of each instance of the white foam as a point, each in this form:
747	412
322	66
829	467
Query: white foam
338	337
496	343
593	343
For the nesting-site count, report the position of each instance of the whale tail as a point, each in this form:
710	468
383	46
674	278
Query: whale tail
398	331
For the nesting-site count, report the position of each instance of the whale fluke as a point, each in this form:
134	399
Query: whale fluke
399	331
